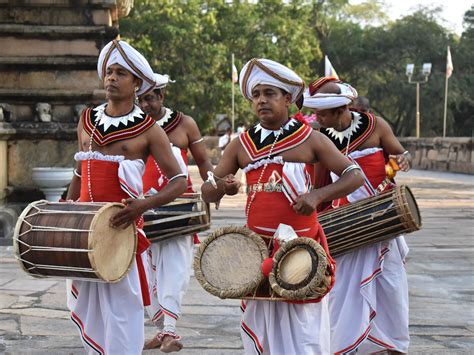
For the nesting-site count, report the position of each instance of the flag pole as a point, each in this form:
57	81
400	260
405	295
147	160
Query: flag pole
445	105
233	93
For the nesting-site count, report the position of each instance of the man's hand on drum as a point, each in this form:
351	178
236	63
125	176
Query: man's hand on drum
403	160
134	208
231	185
307	203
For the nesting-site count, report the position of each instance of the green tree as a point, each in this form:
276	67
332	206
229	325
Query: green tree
193	41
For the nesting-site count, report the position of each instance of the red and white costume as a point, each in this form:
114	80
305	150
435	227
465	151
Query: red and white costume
170	261
280	327
368	304
110	316
369	301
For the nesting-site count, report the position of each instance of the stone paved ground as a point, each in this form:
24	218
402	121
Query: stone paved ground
34	320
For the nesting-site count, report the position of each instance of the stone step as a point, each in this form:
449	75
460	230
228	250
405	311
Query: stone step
49	79
26	47
60	3
13	96
43	62
55	13
49	31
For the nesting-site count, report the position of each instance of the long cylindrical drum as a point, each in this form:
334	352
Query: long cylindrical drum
186	215
371	220
74	240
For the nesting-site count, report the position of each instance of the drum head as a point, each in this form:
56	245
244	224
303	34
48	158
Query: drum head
113	250
228	263
300	270
412	207
296	266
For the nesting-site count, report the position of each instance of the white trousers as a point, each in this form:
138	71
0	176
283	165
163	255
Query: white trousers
109	316
280	328
368	305
170	263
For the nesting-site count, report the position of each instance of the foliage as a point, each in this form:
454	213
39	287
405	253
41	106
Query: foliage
193	40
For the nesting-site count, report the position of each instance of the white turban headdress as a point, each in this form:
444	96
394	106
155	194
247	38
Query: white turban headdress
323	101
269	72
162	80
120	52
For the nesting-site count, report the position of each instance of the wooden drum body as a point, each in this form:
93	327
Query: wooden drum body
74	240
186	215
371	220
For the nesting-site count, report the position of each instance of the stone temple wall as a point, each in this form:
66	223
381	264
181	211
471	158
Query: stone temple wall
48	62
441	154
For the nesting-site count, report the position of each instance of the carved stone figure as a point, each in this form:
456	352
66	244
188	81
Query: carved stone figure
43	111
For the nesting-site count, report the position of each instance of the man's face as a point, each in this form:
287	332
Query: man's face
151	103
327	118
269	103
119	83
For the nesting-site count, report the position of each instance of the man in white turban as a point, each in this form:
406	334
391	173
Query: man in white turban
115	139
171	259
120	52
274	155
368	305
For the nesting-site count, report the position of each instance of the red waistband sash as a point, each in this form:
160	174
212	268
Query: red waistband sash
373	166
269	209
105	187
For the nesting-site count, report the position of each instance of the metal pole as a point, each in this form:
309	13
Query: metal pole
418	110
233	93
445	106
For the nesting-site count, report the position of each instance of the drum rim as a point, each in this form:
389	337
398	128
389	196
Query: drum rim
229	292
16	233
317	287
410	223
89	243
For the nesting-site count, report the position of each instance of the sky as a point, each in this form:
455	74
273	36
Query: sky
453	10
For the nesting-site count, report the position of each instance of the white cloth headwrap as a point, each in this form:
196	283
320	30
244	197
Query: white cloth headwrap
162	80
320	101
269	72
120	52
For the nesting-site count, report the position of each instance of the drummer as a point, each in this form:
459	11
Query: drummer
273	154
369	302
170	260
114	141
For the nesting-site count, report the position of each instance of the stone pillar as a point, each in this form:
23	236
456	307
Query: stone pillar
48	76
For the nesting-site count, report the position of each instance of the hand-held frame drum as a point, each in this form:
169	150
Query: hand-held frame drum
74	240
186	215
371	220
229	265
228	262
301	270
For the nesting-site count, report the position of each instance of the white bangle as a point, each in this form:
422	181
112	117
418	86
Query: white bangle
177	176
198	141
77	173
350	168
211	179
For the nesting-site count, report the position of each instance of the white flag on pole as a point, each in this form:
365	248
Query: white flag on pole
329	69
449	64
235	74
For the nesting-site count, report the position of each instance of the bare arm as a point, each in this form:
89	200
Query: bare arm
392	146
224	171
329	157
74	191
160	148
198	148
